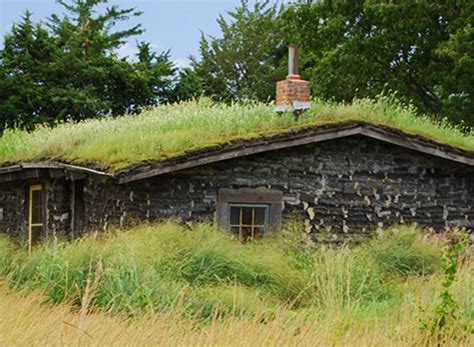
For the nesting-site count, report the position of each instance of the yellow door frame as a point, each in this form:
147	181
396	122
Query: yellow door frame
33	188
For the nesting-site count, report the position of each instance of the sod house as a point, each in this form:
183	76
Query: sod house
343	170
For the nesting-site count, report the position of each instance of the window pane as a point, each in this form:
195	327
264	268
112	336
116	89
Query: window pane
36	233
246	233
260	215
234	215
247	215
248	221
37	206
235	230
258	233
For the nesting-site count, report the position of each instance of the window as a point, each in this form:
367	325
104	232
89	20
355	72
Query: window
248	221
35	214
249	213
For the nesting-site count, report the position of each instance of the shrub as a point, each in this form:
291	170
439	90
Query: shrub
203	272
210	257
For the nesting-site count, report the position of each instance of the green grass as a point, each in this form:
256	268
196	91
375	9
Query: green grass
205	280
157	267
168	131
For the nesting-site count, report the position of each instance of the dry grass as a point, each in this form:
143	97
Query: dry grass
26	321
171	130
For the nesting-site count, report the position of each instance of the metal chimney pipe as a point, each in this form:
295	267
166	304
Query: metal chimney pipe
292	60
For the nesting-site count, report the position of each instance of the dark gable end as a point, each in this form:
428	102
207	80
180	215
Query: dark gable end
297	138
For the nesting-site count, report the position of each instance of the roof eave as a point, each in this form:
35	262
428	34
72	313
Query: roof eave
48	169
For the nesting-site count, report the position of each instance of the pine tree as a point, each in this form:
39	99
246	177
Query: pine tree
68	68
24	71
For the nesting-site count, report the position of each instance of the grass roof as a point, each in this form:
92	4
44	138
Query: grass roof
169	131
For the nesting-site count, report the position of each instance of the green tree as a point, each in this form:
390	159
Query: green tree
68	68
423	50
148	81
248	59
189	85
24	67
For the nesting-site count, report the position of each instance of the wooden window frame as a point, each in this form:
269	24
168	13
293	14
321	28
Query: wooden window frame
32	188
270	198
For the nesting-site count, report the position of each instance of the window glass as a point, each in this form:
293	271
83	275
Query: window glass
260	215
234	215
248	221
247	215
36	233
246	233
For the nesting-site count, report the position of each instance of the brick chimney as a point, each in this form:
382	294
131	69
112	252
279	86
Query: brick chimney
292	94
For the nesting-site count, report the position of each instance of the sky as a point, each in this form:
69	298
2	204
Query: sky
169	24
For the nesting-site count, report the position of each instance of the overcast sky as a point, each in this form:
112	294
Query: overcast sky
168	24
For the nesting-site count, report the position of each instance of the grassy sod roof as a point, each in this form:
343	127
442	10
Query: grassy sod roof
170	131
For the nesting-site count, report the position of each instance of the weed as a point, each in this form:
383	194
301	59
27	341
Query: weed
446	322
180	282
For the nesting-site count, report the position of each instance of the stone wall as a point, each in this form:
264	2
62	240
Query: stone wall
13	212
342	188
59	207
14	207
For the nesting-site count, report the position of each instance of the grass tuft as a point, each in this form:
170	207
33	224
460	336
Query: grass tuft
403	251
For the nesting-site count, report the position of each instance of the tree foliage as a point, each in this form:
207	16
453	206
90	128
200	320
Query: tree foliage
248	59
423	50
68	68
189	85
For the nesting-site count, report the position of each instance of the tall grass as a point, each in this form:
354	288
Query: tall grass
155	268
7	252
25	320
402	253
171	130
168	285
